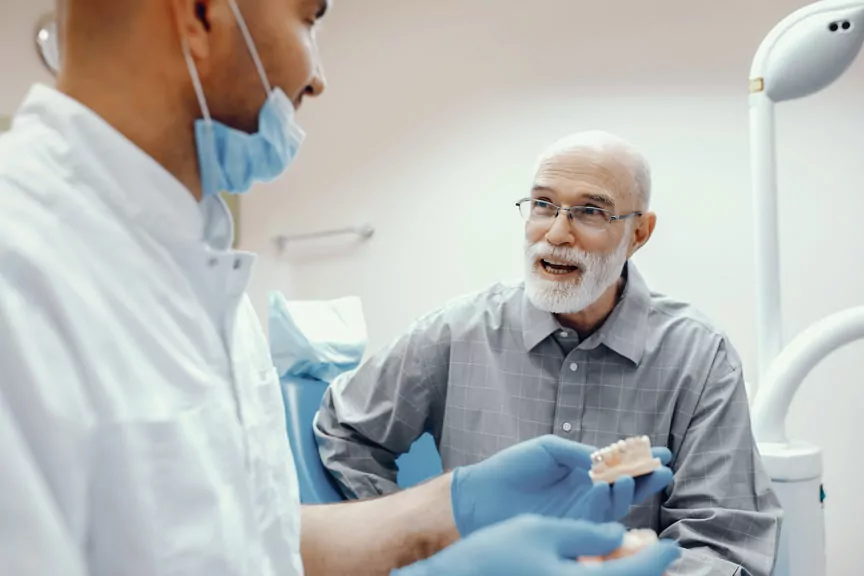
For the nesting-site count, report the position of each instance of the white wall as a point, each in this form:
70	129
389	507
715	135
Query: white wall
436	111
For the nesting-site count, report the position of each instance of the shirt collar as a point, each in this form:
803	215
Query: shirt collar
624	332
124	176
537	325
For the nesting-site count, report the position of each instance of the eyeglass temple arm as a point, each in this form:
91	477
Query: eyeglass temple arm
625	216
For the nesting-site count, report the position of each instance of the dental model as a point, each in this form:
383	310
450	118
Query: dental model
631	457
634	541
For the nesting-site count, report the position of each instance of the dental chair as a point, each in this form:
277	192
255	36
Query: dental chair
312	343
302	398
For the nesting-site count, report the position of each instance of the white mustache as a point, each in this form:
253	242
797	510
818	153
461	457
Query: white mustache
572	256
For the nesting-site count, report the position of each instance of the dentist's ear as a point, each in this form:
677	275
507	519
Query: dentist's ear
193	21
642	232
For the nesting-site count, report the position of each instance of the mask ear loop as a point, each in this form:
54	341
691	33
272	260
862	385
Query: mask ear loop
250	44
196	81
205	110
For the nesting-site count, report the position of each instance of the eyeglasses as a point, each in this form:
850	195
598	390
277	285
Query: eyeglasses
589	217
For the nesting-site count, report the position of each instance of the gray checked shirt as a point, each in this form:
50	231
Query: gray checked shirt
491	370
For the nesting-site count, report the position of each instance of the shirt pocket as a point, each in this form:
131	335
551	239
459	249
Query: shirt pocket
270	401
277	496
264	411
169	496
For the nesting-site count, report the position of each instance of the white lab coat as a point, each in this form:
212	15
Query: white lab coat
142	429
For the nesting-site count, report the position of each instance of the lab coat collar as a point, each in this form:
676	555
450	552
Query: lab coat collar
124	176
624	332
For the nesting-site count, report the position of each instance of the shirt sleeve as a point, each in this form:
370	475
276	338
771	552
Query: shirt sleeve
371	416
42	475
721	508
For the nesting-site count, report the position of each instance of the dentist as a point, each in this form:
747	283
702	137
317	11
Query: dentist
141	421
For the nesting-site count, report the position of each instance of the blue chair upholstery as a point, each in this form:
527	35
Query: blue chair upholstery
421	463
302	398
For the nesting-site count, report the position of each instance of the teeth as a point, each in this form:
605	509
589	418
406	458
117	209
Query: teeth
550	267
632	452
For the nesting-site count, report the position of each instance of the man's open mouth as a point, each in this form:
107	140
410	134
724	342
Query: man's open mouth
557	267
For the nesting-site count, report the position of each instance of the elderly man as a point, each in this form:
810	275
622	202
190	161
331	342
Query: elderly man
582	349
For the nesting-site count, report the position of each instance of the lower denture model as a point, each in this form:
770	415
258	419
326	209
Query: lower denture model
634	541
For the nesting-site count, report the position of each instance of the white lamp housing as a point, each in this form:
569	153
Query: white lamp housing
803	54
809	49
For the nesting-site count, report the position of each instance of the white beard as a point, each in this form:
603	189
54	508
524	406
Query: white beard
599	272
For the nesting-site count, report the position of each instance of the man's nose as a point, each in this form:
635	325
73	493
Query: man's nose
561	232
318	83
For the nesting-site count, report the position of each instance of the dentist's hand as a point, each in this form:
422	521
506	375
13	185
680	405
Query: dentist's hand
533	545
547	476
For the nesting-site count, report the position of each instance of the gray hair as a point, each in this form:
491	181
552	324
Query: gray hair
604	144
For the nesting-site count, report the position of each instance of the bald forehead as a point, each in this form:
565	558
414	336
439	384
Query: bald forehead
594	164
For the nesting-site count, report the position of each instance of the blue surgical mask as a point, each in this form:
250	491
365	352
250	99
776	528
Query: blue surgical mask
231	160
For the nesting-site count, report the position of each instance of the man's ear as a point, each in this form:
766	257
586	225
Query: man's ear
642	232
192	20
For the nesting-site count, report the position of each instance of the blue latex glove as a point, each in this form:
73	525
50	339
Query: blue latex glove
533	545
547	476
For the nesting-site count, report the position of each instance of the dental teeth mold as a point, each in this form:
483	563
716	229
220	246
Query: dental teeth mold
630	457
634	541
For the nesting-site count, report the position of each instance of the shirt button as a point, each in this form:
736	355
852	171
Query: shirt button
564	334
237	264
213	262
574	367
567	427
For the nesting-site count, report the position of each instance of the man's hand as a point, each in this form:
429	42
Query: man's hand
531	545
547	476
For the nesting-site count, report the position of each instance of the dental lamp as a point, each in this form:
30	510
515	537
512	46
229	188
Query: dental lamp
804	54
